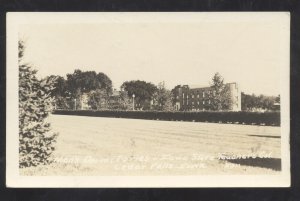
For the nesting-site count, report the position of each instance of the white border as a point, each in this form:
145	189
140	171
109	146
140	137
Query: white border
14	20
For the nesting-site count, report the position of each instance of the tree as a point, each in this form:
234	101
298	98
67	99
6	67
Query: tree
84	82
246	102
36	141
105	82
163	98
261	102
121	101
220	96
98	99
81	82
60	92
88	82
125	101
142	90
60	86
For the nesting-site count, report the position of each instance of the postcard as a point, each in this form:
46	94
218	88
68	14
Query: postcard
158	99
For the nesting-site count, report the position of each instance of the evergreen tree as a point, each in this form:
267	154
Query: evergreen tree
36	141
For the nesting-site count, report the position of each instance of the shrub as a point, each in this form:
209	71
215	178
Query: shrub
269	118
36	142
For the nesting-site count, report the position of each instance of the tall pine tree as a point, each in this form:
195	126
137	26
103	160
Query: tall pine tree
36	141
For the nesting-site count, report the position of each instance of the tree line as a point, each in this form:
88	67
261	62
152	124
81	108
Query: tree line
95	89
260	103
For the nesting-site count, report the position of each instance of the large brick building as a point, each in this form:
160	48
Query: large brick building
198	99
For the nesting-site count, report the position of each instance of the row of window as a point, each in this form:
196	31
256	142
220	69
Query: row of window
203	102
197	103
198	95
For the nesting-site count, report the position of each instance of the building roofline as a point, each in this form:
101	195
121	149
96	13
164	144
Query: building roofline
207	87
201	88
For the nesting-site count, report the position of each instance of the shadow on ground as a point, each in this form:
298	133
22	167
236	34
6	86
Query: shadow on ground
267	136
271	163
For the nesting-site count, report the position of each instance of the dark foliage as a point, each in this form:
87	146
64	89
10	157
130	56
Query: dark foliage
85	81
253	102
143	91
268	118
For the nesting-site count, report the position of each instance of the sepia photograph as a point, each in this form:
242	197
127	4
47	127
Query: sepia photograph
148	99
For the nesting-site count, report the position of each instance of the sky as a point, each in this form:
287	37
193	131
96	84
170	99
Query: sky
175	52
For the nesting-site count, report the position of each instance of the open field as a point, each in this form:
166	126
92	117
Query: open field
113	146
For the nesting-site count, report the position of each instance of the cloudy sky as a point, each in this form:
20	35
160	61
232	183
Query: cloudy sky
190	53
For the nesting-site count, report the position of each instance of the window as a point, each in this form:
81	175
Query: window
192	103
203	95
208	101
182	95
203	102
192	96
198	103
198	96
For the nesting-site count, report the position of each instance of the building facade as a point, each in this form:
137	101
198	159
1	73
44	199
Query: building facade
199	99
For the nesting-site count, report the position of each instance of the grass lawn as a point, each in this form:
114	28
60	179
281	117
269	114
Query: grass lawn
115	146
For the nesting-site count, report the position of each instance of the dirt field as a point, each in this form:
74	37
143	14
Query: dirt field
112	146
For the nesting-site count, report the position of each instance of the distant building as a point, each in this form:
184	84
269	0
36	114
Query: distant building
197	99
